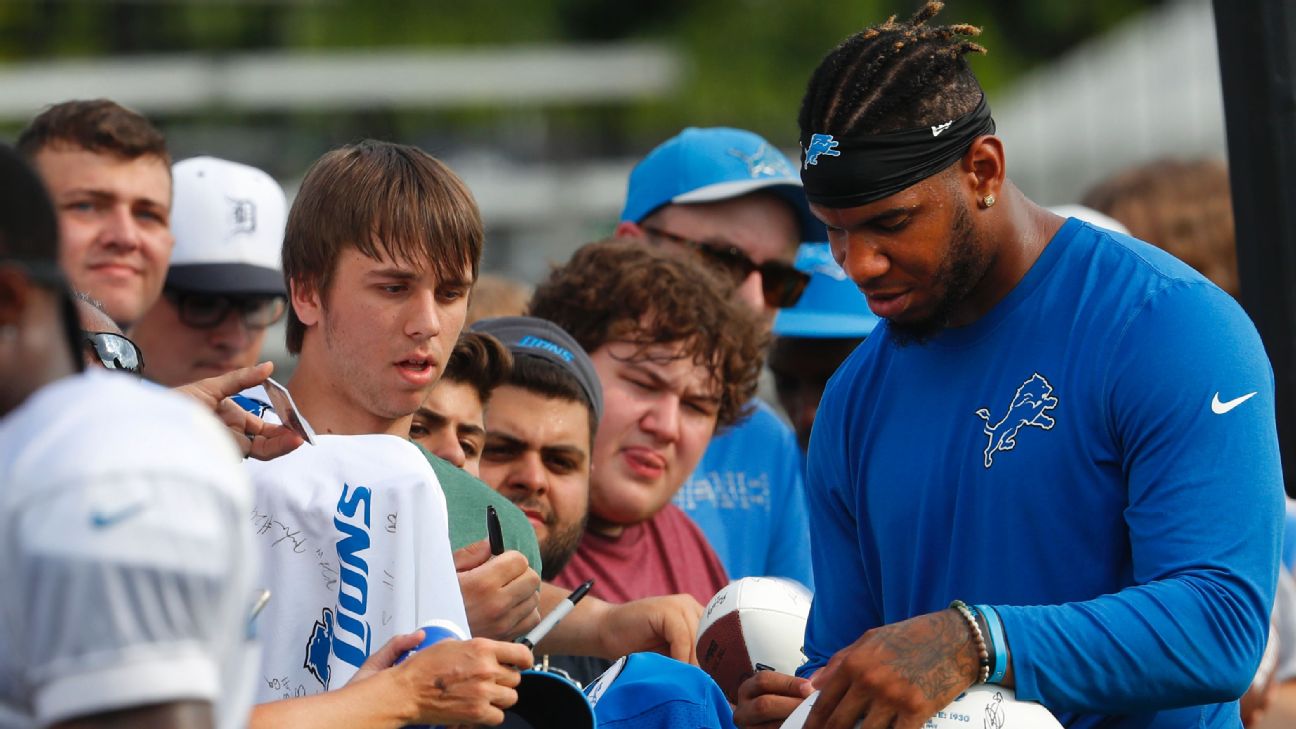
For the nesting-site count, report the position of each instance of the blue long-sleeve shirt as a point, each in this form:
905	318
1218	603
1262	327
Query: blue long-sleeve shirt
1096	457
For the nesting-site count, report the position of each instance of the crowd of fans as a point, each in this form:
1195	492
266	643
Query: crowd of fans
1008	407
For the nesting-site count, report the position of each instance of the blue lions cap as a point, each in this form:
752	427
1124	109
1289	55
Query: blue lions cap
832	306
647	691
716	163
527	336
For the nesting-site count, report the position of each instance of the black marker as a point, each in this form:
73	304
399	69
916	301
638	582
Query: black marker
538	633
494	531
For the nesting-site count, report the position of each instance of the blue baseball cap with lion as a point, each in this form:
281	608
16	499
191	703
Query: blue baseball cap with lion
711	164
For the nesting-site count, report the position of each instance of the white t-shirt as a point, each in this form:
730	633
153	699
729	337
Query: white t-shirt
127	571
354	541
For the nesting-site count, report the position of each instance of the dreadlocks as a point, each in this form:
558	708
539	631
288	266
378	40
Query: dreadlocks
893	76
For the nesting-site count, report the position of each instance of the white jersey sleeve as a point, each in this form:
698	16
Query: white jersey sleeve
127	567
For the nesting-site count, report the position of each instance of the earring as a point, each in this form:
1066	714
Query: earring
988	201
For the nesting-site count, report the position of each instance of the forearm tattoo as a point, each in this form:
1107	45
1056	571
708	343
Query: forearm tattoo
933	655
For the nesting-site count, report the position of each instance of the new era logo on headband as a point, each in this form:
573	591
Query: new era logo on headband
936	130
820	145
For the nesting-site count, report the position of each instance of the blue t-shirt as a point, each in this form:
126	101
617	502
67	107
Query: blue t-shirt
748	496
1096	457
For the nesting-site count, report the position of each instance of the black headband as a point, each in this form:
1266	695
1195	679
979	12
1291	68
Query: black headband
843	173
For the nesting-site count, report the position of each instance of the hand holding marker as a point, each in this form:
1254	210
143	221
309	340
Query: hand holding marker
538	633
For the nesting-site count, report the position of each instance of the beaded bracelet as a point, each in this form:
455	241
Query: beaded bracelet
983	653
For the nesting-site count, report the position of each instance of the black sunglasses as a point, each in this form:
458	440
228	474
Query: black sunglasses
115	351
207	311
781	283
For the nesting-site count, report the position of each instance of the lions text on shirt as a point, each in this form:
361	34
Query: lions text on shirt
127	567
354	539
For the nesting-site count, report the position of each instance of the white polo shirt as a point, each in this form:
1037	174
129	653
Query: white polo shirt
126	566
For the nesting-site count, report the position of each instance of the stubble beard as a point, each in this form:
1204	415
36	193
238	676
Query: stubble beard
354	384
559	546
963	268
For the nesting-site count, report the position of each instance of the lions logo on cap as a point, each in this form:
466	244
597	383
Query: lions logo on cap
762	164
820	145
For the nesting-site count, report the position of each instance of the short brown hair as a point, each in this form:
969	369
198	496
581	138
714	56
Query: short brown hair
479	361
623	290
1181	206
382	199
96	125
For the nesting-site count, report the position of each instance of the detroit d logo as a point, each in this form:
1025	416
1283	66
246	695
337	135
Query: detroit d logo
1029	408
242	216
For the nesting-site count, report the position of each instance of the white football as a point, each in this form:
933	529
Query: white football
755	622
991	707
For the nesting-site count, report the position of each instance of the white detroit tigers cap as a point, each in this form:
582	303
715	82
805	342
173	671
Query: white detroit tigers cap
228	220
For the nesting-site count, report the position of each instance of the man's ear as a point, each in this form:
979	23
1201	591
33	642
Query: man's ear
627	229
15	294
305	300
984	166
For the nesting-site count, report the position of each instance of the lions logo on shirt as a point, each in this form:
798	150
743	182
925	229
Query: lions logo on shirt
1029	408
319	647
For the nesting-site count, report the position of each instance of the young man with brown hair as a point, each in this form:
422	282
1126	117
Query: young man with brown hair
734	202
541	424
108	171
678	358
381	248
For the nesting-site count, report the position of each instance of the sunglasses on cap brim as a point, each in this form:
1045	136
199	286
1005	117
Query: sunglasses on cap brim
781	283
115	352
207	310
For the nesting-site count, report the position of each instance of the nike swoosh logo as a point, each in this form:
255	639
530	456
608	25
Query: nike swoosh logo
101	520
1219	408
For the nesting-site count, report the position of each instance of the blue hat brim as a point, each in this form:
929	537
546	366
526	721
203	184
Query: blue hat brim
792	323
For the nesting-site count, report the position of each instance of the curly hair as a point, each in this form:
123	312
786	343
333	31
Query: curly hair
893	76
623	290
480	361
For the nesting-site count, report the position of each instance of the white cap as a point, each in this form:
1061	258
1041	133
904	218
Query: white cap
228	220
